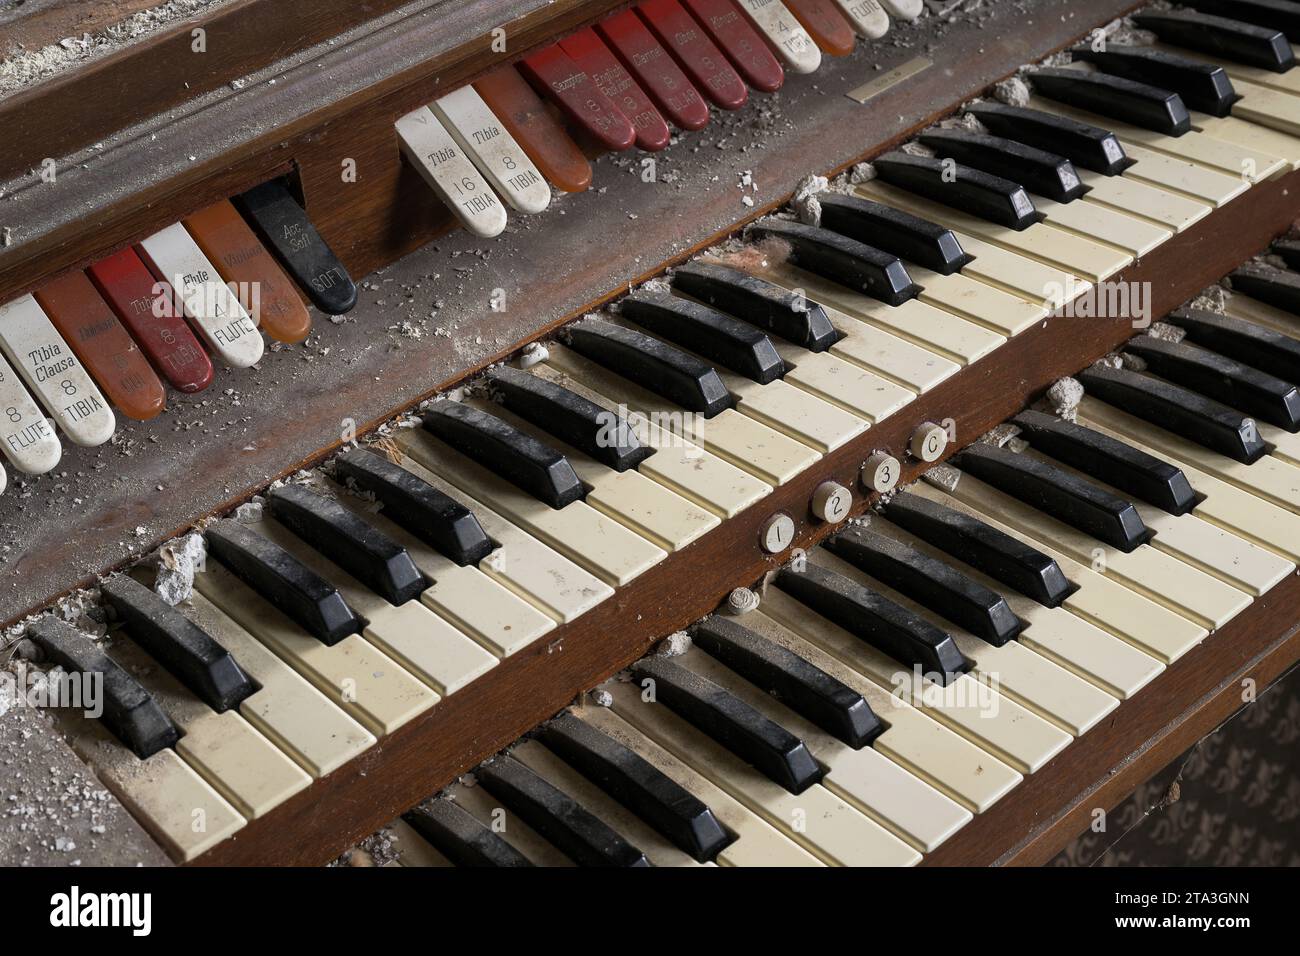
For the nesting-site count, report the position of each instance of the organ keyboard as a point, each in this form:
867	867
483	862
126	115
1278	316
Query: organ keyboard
911	677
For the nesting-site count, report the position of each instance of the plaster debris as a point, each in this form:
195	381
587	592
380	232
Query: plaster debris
674	645
1166	332
999	435
1211	299
250	512
178	560
1012	91
601	698
914	148
1132	362
1064	396
805	203
657	284
943	477
742	601
534	353
862	173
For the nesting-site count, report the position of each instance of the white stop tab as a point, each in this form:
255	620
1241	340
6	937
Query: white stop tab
27	437
903	9
54	374
867	16
792	43
491	148
207	301
448	171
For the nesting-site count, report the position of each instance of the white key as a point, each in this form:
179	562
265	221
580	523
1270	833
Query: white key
1039	283
1181	176
4	480
214	310
993	305
53	373
439	160
493	150
903	9
792	43
867	16
1136	198
1134	236
1247	135
1273	108
887	355
27	437
843	384
286	708
1261	313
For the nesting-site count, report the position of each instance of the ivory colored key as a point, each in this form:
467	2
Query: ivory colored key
27	437
1180	176
411	634
793	45
630	498
889	356
263	289
816	819
909	808
947	761
353	673
1101	600
542	137
240	764
104	347
994	305
868	17
485	140
285	707
1248	135
579	532
1134	236
757	842
1137	198
967	705
843	384
1253	310
433	152
51	370
174	257
1037	282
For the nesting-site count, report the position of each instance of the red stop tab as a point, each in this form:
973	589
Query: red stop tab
655	69
554	73
697	54
128	287
590	53
829	28
738	39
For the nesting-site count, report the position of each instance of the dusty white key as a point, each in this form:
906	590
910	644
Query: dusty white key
1077	255
887	355
418	639
1101	600
1041	284
954	338
372	687
1246	135
285	708
1282	444
1181	176
1273	108
1160	576
725	463
27	437
248	770
53	373
906	806
413	849
1136	198
984	303
209	304
868	17
926	748
608	550
790	40
1051	692
658	849
1134	236
482	138
1261	313
757	842
629	497
843	384
443	165
487	810
165	794
818	820
903	9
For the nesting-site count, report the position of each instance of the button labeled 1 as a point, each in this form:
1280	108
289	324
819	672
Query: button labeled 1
928	442
831	502
777	533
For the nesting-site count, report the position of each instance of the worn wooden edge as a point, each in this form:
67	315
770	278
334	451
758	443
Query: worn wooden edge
39	23
462	730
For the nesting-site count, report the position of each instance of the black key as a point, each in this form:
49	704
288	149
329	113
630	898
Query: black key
726	718
1037	170
187	651
787	314
460	837
851	263
1247	389
880	622
577	833
284	581
1056	492
1199	419
892	230
1085	145
718	337
1281	15
432	516
996	553
604	435
132	715
653	364
963	188
1279	288
1247	342
1233	40
361	549
504	450
1110	460
637	784
1203	86
1139	104
283	225
931	583
1289	250
803	687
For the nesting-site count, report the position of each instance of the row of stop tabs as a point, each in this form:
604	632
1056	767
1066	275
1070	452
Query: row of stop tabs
161	311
